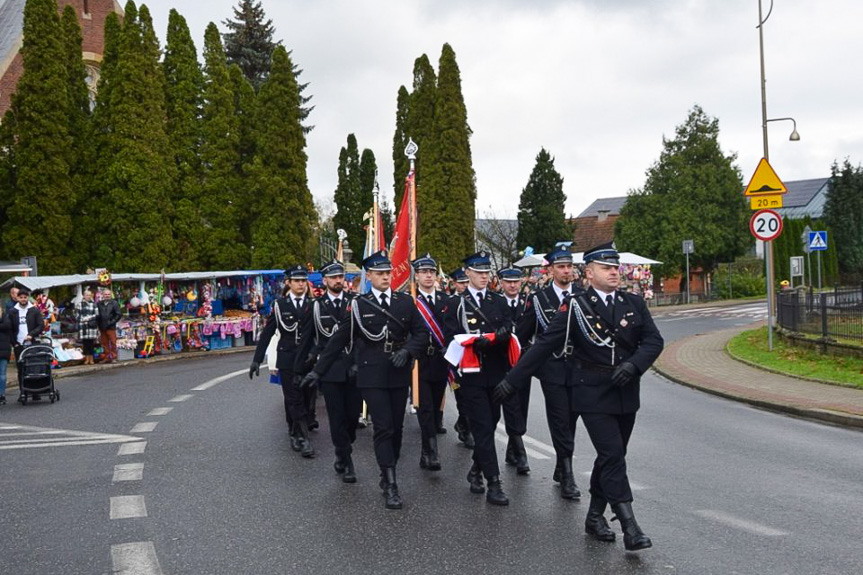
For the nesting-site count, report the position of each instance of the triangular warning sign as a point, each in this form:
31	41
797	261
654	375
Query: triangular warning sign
817	241
765	181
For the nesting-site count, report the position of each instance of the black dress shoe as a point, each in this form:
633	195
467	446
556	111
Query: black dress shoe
495	494
307	450
595	524
441	430
474	477
350	475
296	443
339	465
468	440
314	425
634	538
2	400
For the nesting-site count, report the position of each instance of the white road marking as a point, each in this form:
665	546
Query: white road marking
216	381
160	411
179	398
144	427
739	523
135	559
535	454
531	441
13	437
128	507
136	448
128	472
632	485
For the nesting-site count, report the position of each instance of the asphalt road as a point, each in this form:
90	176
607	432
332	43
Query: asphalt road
720	487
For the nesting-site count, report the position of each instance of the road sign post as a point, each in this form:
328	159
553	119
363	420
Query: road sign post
688	248
818	243
805	238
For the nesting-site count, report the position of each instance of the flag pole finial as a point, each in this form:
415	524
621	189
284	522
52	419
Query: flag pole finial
411	151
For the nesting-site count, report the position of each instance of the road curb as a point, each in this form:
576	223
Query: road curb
84	370
822	415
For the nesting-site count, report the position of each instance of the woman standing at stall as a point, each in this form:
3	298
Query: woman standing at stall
88	330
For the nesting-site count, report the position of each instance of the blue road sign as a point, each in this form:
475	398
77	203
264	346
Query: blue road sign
817	241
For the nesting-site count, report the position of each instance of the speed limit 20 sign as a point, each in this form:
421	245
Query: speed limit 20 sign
766	225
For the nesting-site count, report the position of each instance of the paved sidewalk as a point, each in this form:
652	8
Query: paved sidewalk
701	362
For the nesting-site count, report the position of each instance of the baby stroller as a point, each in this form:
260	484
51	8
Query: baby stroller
34	372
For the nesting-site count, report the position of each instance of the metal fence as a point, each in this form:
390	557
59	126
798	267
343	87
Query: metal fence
836	313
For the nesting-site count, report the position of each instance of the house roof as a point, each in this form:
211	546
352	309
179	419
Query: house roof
11	31
590	232
611	206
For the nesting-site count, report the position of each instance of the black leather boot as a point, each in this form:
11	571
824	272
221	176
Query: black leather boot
509	458
521	464
391	489
474	477
595	523
306	449
568	488
434	460
495	494
339	464
424	453
296	443
350	475
634	538
557	469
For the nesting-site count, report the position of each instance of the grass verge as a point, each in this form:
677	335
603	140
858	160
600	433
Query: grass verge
751	346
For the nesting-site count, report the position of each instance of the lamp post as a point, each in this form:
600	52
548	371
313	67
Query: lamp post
768	246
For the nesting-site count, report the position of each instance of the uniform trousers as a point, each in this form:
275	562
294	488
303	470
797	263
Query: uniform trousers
429	414
561	419
514	416
484	414
610	435
343	402
459	403
387	410
296	399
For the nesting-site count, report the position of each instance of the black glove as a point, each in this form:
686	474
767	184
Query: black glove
480	344
502	335
400	357
310	360
310	380
353	371
254	369
502	390
625	374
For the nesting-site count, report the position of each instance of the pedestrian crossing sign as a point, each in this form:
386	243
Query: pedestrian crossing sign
765	181
817	241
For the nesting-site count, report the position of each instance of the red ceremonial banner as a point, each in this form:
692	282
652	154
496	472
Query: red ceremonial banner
400	249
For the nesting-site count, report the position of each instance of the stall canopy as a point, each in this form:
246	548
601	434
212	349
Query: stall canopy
47	282
630	258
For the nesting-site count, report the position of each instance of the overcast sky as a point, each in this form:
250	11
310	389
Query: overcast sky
596	83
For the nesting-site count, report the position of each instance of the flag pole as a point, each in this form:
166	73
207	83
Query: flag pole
410	151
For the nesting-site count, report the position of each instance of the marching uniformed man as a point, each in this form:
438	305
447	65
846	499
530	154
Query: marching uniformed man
516	406
462	424
337	384
540	310
386	333
288	313
483	316
611	341
433	368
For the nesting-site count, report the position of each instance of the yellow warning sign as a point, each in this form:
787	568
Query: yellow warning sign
765	181
760	202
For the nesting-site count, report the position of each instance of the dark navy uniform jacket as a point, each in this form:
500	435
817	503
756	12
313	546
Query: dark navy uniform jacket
461	317
432	365
287	319
539	311
515	313
317	329
362	325
590	365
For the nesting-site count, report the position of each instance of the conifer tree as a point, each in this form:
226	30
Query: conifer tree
541	219
446	195
249	41
183	101
245	102
368	176
420	125
349	192
401	165
76	83
283	231
222	247
135	211
8	178
41	210
843	212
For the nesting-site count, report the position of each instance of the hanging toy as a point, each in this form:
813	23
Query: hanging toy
206	309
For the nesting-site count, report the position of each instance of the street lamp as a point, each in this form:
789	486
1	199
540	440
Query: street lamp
768	246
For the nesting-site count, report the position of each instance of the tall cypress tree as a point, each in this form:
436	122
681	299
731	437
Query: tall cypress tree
8	178
223	246
40	214
135	226
183	101
245	105
76	82
421	121
541	220
446	195
843	212
283	231
401	165
350	203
